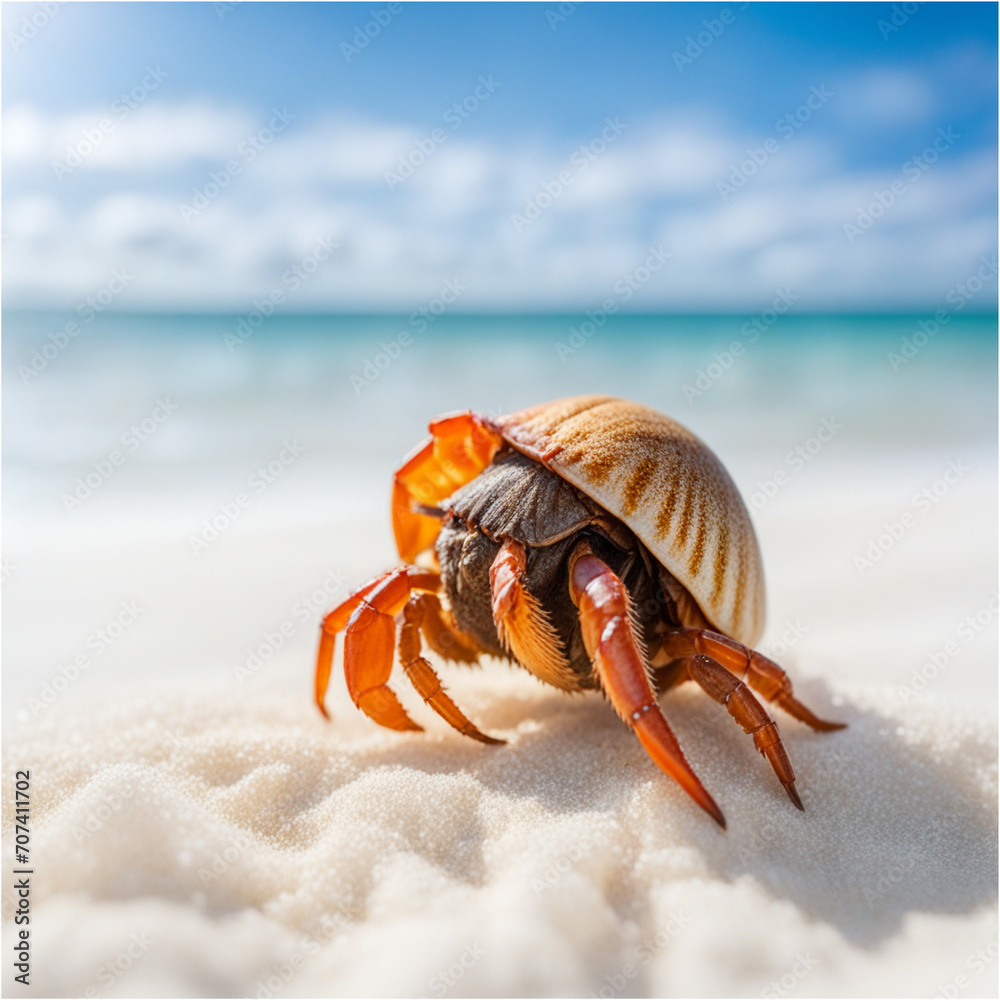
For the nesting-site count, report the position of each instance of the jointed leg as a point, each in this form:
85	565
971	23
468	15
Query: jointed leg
368	643
731	692
611	642
422	674
762	674
334	622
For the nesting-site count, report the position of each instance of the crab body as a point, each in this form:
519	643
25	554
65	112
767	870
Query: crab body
516	497
595	542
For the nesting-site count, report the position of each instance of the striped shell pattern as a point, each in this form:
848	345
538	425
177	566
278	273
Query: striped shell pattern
666	486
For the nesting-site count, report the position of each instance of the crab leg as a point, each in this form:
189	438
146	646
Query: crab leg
422	674
731	692
522	624
612	644
374	594
460	447
763	674
443	636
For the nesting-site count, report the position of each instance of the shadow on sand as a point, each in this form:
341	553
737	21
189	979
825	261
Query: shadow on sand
891	827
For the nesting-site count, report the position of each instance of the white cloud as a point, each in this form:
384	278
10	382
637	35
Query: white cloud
152	137
656	184
887	97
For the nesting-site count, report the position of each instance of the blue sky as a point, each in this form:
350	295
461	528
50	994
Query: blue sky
795	214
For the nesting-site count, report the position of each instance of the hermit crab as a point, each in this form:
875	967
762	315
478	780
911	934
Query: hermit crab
595	542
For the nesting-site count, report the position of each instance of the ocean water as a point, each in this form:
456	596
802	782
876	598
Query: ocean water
355	393
125	443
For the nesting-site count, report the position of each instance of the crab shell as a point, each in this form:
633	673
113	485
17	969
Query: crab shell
664	484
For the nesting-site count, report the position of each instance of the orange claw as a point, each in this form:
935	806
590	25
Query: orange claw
334	622
763	675
460	447
610	639
388	585
370	640
368	647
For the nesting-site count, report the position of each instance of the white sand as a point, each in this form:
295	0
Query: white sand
235	839
230	838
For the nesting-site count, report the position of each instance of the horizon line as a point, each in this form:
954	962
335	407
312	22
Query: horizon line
508	314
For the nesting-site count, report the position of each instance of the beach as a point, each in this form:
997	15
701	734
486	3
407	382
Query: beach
181	508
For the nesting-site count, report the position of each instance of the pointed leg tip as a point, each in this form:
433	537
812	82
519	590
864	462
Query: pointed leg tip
799	711
794	796
708	804
820	726
491	741
323	711
406	725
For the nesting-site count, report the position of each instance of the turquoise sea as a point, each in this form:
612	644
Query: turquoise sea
357	391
